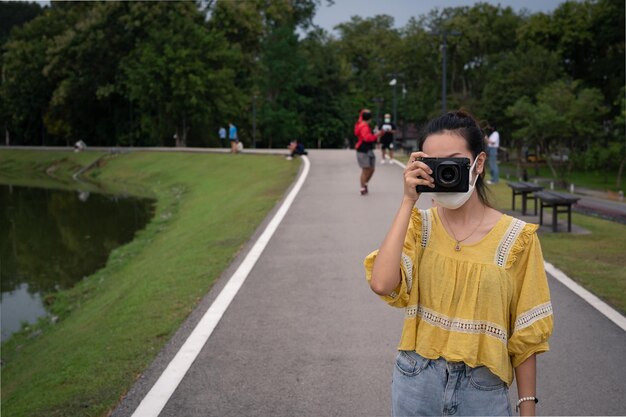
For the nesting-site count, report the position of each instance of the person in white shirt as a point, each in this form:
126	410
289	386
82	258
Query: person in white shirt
386	139
493	145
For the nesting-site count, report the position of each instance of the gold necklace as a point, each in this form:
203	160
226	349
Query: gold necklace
457	247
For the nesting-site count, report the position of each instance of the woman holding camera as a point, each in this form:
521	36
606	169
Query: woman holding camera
473	286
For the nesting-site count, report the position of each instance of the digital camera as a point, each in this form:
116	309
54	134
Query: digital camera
451	175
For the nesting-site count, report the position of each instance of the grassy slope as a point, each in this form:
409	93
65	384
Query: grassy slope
52	169
115	321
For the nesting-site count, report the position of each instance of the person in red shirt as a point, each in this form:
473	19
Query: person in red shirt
365	147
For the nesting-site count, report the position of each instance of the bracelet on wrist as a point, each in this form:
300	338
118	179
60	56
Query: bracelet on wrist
521	400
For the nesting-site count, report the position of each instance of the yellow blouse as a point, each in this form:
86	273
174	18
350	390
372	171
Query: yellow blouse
487	304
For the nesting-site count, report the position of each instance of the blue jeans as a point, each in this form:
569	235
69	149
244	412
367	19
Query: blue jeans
493	164
425	387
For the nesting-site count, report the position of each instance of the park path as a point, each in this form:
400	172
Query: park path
305	336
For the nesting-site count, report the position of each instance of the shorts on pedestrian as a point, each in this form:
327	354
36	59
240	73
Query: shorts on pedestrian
436	387
366	159
387	144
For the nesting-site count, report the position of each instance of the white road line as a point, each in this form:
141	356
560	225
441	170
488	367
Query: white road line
560	276
395	161
598	304
167	383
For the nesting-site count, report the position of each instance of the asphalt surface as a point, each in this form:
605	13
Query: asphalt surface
306	337
609	209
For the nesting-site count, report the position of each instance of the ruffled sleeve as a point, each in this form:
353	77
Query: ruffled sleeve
531	308
399	297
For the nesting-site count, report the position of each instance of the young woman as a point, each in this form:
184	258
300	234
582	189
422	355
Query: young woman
366	140
472	282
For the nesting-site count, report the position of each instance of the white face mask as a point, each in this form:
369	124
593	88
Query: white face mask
453	201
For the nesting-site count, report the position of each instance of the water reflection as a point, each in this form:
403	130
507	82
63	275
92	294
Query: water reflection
20	306
51	239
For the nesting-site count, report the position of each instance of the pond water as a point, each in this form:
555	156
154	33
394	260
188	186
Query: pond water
51	239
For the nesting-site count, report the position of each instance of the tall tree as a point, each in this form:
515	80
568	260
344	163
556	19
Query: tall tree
282	76
248	27
563	116
15	14
372	48
483	33
87	102
589	36
511	75
327	117
179	72
25	91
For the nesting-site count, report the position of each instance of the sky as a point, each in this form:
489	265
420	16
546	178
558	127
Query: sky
402	10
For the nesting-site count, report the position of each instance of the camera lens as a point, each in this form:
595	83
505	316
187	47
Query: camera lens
448	174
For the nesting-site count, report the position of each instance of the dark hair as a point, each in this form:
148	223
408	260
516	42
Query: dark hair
464	125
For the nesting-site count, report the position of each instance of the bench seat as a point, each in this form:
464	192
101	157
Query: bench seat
524	189
560	203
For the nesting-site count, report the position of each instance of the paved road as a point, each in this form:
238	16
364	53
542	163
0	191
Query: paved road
614	210
306	337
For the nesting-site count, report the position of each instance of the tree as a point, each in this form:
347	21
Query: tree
283	68
137	73
251	27
371	47
25	91
485	32
563	115
589	38
82	63
326	117
15	14
418	60
511	75
178	73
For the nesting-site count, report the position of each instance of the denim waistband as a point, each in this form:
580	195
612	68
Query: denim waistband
451	366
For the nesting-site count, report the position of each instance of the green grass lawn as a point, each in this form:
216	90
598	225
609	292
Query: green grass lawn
53	169
595	260
596	180
114	322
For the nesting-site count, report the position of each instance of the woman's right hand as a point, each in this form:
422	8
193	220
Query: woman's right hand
416	173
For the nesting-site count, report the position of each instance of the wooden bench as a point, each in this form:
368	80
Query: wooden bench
556	200
525	189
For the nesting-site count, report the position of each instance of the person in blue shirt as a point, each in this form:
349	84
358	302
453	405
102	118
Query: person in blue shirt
232	136
222	135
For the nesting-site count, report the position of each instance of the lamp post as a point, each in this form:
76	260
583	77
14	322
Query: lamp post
393	83
254	120
404	91
444	47
378	101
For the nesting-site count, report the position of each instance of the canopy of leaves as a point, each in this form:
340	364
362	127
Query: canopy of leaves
138	73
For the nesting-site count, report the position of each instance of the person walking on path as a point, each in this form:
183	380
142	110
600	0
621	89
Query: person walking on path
365	147
386	141
222	134
473	286
232	136
494	144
